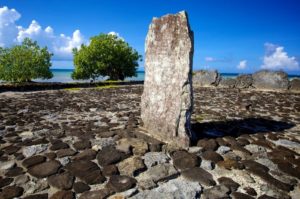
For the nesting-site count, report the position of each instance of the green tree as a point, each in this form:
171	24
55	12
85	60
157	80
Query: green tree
106	55
22	63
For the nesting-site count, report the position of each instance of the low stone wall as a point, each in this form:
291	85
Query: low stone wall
35	86
261	80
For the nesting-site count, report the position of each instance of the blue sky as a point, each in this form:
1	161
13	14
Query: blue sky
232	36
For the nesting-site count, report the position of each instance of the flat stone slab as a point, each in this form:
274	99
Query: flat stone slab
44	169
167	99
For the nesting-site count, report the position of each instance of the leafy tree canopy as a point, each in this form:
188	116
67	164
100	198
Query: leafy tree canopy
106	55
22	63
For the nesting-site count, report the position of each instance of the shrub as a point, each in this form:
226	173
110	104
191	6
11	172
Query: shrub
22	63
106	55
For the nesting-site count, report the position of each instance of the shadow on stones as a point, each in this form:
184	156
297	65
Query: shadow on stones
236	128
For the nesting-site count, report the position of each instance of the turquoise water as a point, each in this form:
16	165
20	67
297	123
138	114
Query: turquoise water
64	75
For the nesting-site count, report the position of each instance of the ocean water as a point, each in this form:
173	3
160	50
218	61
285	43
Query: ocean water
64	75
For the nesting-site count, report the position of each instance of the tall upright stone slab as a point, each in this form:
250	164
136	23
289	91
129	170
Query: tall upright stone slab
167	99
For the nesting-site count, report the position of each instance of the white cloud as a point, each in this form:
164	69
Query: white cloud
61	45
116	34
276	58
209	59
242	65
8	29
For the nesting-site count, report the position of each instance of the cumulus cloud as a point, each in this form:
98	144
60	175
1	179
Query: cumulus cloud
242	65
116	34
209	59
276	58
61	45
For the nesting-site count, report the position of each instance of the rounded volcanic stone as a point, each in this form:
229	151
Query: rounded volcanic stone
87	154
109	155
16	171
216	192
63	195
98	194
11	192
37	196
80	187
5	181
250	191
208	144
229	183
65	152
184	160
9	150
131	166
28	162
82	144
87	171
230	164
239	195
62	181
212	156
58	144
110	170
118	183
44	169
198	174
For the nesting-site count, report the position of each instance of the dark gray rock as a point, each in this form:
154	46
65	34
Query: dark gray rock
98	194
62	181
295	84
197	174
110	155
184	160
44	169
33	161
11	192
80	187
118	183
206	78
227	83
63	195
244	81
216	192
270	80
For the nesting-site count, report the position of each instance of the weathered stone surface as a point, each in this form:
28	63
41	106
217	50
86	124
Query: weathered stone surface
229	183
139	146
227	83
295	84
154	158
270	80
167	99
11	192
212	156
109	155
98	194
7	165
173	189
37	196
33	161
206	78
216	192
197	174
65	152
87	171
5	181
120	183
244	81
80	187
62	181
63	195
158	173
208	144
110	170
239	195
131	166
45	169
184	160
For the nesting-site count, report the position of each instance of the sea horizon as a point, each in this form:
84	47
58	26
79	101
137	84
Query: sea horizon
64	75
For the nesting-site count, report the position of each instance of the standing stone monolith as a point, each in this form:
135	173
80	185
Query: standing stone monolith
167	99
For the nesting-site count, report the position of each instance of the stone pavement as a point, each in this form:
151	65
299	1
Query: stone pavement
87	144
